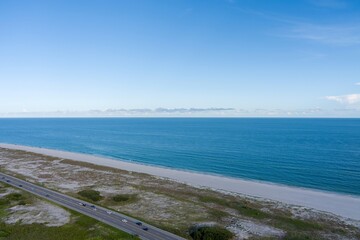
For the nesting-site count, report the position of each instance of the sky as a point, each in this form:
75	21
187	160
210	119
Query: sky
296	58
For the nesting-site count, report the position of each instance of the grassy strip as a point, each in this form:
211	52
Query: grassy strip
81	228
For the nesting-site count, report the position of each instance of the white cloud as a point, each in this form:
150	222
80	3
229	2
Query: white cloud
144	112
346	99
358	83
345	111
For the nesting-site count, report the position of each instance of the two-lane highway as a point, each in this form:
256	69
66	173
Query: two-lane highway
115	219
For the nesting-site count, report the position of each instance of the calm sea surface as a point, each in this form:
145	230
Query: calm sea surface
314	153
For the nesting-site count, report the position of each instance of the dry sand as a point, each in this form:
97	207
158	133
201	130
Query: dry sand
342	205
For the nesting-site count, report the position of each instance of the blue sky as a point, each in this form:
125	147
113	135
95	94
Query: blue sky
214	57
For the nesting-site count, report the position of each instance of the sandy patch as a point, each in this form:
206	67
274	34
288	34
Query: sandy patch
39	212
244	229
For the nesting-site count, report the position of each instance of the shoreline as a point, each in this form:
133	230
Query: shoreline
343	205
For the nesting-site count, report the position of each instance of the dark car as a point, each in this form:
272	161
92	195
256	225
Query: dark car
138	223
7	180
20	185
145	228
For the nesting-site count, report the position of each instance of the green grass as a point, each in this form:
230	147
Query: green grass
211	199
91	195
14	197
80	228
2	189
210	233
291	224
120	198
83	228
243	207
217	214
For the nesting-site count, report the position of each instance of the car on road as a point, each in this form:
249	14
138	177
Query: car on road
7	180
20	185
47	195
145	228
124	220
109	212
139	223
82	204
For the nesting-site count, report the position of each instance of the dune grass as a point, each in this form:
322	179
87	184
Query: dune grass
91	195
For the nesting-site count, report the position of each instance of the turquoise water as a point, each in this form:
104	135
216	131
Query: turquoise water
314	153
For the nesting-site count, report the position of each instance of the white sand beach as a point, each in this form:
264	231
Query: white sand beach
342	205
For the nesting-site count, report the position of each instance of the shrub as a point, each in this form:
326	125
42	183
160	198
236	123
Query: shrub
91	194
3	201
14	197
123	197
210	233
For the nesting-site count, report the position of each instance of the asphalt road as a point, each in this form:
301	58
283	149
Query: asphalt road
117	220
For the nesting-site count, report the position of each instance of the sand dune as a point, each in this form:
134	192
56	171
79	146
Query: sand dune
343	205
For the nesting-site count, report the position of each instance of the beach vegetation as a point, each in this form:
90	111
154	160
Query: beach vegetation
124	197
90	194
296	224
2	189
210	233
250	211
217	214
243	207
14	197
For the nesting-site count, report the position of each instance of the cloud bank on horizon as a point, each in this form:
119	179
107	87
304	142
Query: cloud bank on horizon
191	112
284	58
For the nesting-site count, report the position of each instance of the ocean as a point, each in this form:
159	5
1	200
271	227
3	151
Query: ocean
322	154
